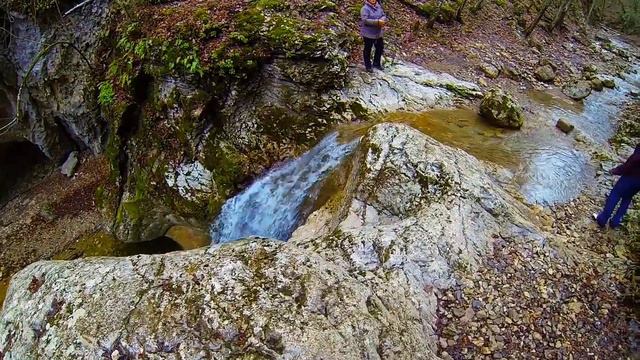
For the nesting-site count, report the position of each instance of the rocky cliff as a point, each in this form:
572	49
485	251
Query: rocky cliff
412	212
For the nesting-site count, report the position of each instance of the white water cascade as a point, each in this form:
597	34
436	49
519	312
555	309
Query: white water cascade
271	206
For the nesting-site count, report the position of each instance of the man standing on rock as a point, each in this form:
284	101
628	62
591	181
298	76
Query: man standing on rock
372	23
623	191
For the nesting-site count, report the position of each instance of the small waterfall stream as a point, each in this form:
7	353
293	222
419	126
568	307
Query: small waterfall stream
271	206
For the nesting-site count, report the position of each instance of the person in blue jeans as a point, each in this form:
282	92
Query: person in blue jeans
623	191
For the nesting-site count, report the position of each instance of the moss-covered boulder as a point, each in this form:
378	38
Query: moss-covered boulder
545	73
501	109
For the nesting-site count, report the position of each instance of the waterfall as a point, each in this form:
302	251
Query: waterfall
271	206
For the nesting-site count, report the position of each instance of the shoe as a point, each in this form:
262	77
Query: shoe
369	70
613	226
379	67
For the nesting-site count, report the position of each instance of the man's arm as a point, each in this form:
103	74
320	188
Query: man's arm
632	162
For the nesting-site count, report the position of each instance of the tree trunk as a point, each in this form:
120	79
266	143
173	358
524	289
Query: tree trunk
591	7
459	12
562	12
435	15
535	22
476	7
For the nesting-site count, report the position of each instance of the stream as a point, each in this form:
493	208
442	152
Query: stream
546	164
271	206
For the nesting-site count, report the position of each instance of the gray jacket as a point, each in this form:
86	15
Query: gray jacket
369	16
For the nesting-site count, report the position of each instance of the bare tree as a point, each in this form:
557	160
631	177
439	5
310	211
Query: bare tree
436	13
591	7
477	6
535	22
459	12
562	12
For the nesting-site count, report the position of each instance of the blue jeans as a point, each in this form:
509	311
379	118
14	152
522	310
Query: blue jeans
622	192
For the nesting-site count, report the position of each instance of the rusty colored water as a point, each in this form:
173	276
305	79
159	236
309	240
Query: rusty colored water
4	285
464	129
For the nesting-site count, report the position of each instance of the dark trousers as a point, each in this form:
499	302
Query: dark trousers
368	44
622	192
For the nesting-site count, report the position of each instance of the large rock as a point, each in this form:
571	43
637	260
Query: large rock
412	211
60	110
545	73
577	90
404	86
501	110
490	71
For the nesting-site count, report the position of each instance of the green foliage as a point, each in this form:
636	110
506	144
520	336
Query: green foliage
33	8
630	17
272	5
447	12
106	95
501	3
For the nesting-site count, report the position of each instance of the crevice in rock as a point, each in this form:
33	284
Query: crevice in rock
141	87
19	160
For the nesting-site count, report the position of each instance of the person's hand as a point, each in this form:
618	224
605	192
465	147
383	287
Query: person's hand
381	23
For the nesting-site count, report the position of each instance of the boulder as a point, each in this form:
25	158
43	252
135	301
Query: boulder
413	210
69	167
609	83
490	71
577	90
511	72
545	73
597	84
565	126
501	110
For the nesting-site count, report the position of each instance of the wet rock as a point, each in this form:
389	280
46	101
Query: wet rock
501	110
577	90
609	83
565	126
597	84
490	71
376	266
68	168
545	73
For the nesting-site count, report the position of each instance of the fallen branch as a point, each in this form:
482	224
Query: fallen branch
85	2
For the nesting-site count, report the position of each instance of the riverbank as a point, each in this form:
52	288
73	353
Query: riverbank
576	295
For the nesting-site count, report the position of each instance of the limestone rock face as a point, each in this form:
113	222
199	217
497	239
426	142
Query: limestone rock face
501	110
60	109
404	86
412	211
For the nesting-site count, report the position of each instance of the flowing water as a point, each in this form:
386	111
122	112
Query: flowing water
546	163
271	206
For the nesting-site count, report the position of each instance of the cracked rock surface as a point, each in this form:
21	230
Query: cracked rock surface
411	213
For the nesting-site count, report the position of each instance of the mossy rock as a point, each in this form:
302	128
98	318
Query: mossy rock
501	110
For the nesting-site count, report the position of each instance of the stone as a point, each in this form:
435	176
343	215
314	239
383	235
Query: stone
490	71
511	72
609	83
597	84
577	90
297	299
501	110
545	73
590	68
68	168
565	126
